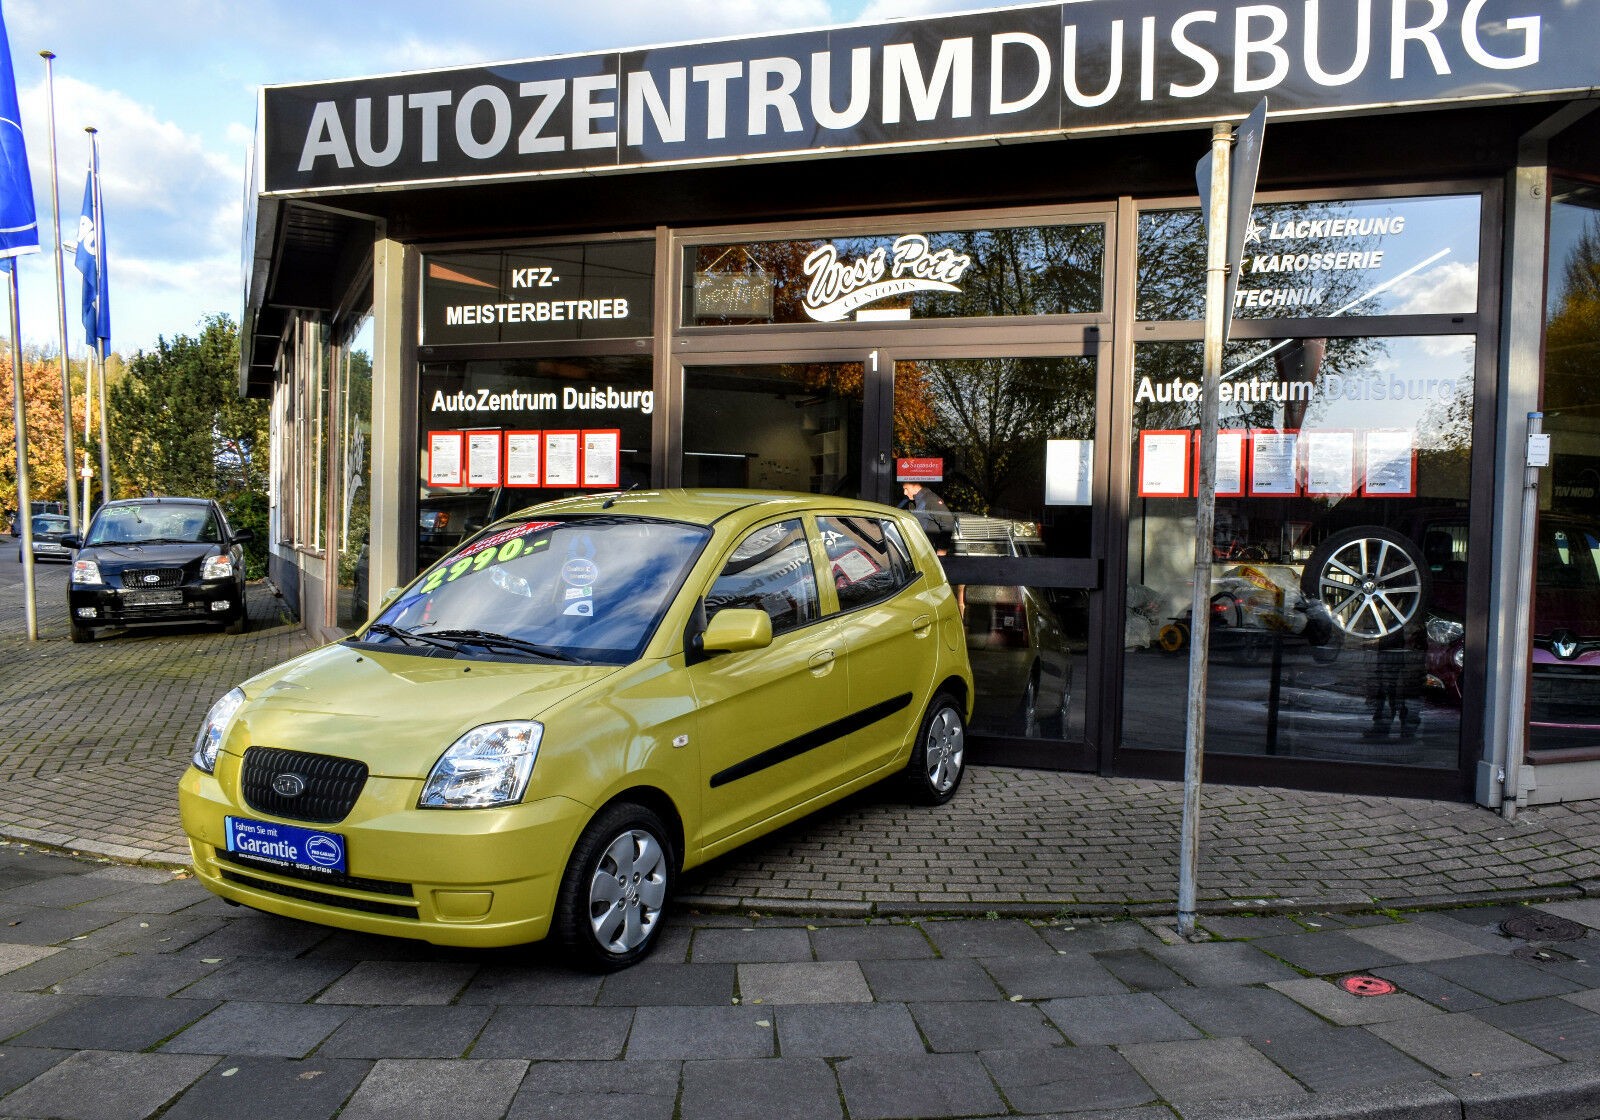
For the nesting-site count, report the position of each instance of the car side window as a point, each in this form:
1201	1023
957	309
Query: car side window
867	559
770	571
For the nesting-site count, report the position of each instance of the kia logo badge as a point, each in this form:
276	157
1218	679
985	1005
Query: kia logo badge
152	578
289	785
1564	644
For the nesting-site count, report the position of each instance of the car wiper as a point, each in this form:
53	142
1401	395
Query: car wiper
490	640
411	637
165	540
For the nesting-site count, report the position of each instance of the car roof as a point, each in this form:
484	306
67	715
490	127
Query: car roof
699	507
157	501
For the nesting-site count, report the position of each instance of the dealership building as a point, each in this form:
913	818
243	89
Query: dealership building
969	252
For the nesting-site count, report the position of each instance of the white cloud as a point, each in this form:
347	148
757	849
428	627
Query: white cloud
1449	289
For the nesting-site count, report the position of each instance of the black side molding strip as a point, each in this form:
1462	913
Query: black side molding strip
811	740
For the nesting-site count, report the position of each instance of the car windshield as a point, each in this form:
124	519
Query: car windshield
49	525
587	589
153	524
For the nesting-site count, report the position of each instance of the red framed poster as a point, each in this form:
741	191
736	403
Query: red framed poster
1273	463
446	458
562	452
523	457
485	454
602	457
1329	460
1164	464
1390	467
1233	445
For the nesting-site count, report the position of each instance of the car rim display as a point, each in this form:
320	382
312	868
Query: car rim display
1371	586
945	749
627	891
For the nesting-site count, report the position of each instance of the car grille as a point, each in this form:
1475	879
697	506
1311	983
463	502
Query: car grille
140	577
331	784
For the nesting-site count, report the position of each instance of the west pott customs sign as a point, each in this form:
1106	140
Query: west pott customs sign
546	293
1033	71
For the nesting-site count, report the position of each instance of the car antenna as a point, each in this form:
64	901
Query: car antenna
611	501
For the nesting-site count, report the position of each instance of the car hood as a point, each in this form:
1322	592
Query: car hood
148	555
395	712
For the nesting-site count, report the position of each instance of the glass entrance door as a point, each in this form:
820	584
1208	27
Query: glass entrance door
998	456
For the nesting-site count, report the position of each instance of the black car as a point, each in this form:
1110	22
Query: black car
157	560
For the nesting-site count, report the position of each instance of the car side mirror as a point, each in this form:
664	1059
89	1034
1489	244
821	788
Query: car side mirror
73	542
243	536
733	630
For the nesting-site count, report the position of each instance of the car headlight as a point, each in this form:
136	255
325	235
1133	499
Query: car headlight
488	766
1443	631
86	571
209	741
217	567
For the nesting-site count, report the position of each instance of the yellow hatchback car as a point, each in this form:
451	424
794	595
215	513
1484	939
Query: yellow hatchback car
575	705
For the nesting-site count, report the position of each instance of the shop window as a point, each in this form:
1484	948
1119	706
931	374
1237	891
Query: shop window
1345	257
1009	271
352	366
770	571
1338	609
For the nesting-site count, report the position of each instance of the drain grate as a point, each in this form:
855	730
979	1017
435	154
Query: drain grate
1539	926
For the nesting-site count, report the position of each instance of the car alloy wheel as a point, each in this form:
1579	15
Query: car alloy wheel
938	761
615	890
1373	581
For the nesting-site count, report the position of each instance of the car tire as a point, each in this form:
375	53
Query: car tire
81	634
939	758
1027	717
616	887
1373	581
238	625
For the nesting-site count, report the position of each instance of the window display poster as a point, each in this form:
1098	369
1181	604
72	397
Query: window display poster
1330	463
522	458
1272	463
483	458
1164	464
1231	446
444	458
1391	467
602	458
1068	471
561	458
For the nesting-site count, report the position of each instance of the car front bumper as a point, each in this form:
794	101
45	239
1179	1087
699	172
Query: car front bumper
100	605
475	878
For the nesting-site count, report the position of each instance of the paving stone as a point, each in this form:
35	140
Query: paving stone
13	957
1332	1002
917	1087
747	945
922	981
696	1033
270	1089
1140	1017
803	982
139	976
1566	1092
598	1091
1557	1025
1502	979
1459	1045
1058	977
870	943
1207	1070
1240	929
789	1088
21	1010
155	933
842	1030
1067	1079
399	982
253	934
1414	942
1584	911
273	1030
1329	1058
1427	1101
115	1023
434	1090
1222	962
1326	954
102	1085
550	1033
526	984
1098	937
406	1032
21	1064
956	1027
266	980
1138	970
1238	1011
46	972
43	925
669	985
965	938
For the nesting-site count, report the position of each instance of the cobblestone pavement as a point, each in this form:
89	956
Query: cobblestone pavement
1011	954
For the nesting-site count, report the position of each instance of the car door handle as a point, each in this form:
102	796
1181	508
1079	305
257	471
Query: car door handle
922	623
821	660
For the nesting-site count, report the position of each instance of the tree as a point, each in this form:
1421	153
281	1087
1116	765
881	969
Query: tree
41	397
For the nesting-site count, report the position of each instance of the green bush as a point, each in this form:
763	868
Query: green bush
248	509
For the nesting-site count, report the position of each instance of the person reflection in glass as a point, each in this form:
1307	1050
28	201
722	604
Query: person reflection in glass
1394	688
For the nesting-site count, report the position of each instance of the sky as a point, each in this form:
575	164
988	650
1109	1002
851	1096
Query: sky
172	88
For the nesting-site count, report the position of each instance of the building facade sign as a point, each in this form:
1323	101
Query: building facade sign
1033	71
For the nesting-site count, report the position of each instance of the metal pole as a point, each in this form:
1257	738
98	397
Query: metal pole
24	499
61	289
100	282
1521	645
1217	315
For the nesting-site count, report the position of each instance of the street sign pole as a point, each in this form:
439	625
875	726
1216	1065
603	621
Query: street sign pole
1226	192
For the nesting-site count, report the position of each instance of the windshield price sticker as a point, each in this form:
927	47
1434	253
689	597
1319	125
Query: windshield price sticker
484	554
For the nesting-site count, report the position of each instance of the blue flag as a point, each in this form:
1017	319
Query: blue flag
90	260
19	222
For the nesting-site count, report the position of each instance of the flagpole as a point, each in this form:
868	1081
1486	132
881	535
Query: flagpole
101	285
61	288
24	499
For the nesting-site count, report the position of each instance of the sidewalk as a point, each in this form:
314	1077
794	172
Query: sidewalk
873	962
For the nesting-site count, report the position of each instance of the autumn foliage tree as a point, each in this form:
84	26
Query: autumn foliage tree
43	409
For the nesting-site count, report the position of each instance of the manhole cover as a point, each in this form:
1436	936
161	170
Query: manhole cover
1539	926
1366	986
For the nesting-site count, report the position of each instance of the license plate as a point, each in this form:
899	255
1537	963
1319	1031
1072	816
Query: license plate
287	844
153	598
